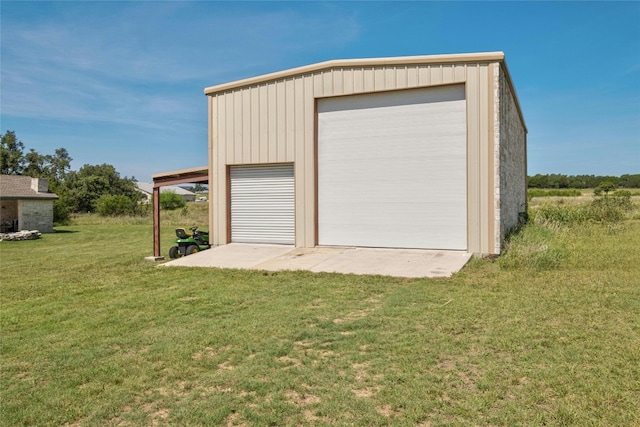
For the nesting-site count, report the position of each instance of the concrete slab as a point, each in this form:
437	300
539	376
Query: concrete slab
234	255
386	262
301	258
395	262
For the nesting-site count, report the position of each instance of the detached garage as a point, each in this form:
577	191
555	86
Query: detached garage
421	152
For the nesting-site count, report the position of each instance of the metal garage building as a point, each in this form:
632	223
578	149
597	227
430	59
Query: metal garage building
408	152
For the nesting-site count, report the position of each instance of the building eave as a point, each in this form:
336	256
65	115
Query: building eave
51	197
182	176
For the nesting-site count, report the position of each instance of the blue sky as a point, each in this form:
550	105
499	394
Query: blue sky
122	82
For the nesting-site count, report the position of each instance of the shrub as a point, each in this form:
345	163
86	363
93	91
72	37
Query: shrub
607	208
611	208
109	205
624	194
560	214
170	201
61	212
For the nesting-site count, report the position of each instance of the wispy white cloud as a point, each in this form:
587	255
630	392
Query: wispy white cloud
146	64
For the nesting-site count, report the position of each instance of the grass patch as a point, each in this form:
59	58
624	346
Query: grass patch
537	247
94	335
611	209
191	214
563	192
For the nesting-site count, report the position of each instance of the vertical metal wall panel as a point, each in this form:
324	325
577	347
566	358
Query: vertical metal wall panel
273	142
281	121
263	125
290	118
347	82
245	123
254	124
401	77
236	120
305	173
338	81
474	177
262	204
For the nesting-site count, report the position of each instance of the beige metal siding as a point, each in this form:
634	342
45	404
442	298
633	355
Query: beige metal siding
273	120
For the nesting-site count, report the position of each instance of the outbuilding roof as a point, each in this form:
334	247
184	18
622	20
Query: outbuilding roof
362	62
21	187
147	187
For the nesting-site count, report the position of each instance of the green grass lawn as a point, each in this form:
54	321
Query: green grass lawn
94	335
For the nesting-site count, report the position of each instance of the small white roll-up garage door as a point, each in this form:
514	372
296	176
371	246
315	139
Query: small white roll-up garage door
392	169
262	204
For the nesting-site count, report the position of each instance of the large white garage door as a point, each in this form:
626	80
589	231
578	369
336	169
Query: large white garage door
262	204
392	169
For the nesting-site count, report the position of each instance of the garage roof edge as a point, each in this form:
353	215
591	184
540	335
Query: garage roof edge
182	176
171	174
337	63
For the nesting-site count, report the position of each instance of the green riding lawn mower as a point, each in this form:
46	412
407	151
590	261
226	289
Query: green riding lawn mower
188	244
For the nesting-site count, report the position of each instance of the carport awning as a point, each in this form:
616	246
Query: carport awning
199	175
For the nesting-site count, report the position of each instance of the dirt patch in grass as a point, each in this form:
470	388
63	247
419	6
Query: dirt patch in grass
234	420
468	376
301	399
209	352
388	411
291	362
355	315
159	416
226	366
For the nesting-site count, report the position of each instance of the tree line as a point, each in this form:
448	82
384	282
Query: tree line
582	181
92	188
100	188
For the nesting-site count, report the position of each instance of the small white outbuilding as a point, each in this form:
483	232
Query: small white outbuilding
408	152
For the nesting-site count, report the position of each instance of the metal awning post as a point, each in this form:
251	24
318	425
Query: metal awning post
156	221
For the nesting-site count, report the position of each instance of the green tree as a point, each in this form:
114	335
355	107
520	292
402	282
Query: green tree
604	187
557	181
199	188
59	164
12	158
629	181
13	161
537	181
92	181
36	165
581	181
